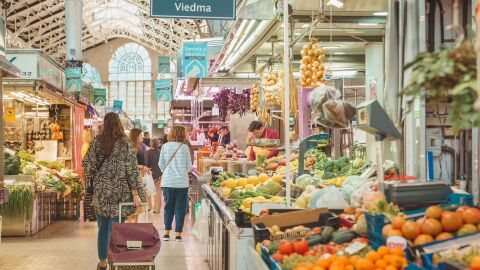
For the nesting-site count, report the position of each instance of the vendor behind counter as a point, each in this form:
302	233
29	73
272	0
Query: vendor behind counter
256	130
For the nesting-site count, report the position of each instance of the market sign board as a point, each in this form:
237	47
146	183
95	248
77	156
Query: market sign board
161	123
163	90
100	96
195	60
163	64
117	106
193	9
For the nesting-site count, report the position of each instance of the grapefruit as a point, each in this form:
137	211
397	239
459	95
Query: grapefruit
252	180
411	230
431	227
263	178
451	221
398	222
471	216
423	239
386	230
443	236
395	232
434	211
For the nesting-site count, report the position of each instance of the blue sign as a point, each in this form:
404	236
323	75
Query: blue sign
195	60
161	123
163	64
193	9
73	73
74	84
163	90
117	106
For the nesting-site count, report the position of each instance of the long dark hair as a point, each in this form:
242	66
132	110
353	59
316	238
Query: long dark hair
133	135
112	132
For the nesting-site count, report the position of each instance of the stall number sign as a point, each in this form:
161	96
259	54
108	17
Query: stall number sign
195	61
163	90
193	9
100	96
117	106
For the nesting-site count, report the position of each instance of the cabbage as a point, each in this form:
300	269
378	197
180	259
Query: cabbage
304	180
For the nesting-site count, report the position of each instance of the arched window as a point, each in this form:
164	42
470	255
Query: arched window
130	80
131	62
90	74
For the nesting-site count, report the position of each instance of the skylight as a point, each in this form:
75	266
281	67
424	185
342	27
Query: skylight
114	14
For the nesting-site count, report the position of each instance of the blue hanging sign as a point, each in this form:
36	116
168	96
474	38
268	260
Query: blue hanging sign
117	106
163	90
195	60
194	9
163	64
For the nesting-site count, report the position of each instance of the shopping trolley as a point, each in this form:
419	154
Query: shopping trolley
133	246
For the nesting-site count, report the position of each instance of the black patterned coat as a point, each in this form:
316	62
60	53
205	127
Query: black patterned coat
115	179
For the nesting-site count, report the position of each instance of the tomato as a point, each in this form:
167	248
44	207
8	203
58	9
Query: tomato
285	248
301	246
277	257
310	253
317	230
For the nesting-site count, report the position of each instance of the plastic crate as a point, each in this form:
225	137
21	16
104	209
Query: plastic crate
375	224
262	233
453	200
242	219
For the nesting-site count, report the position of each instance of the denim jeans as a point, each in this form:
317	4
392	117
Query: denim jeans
104	231
175	205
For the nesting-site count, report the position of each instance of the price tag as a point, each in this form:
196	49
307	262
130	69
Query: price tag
355	248
397	242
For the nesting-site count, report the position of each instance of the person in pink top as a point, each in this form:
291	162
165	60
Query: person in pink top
258	131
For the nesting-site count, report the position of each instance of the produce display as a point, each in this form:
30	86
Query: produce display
311	68
243	190
468	256
272	90
11	164
437	224
255	96
20	201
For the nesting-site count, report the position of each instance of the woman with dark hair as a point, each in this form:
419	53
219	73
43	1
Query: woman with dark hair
151	159
175	163
111	163
136	139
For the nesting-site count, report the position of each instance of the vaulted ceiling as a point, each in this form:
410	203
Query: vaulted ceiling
41	24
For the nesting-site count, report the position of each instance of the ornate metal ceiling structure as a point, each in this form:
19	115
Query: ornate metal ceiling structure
41	24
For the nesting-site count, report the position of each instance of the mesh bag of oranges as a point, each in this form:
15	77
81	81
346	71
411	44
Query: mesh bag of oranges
383	258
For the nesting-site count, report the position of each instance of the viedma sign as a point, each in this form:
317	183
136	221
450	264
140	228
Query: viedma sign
193	9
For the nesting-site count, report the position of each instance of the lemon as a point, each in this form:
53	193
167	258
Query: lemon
226	191
263	178
231	183
247	203
242	182
277	178
249	186
253	180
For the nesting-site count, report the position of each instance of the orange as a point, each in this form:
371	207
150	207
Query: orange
316	267
381	264
301	267
383	250
397	251
398	222
343	260
354	259
475	262
349	267
396	261
336	266
389	259
372	256
364	264
323	263
390	267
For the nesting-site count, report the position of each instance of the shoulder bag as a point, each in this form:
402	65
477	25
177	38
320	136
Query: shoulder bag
89	181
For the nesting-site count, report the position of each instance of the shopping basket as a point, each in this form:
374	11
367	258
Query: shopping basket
133	246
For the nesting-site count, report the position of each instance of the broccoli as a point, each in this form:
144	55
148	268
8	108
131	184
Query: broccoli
328	175
344	159
345	170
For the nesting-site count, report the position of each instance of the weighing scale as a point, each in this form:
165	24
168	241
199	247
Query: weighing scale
313	141
373	119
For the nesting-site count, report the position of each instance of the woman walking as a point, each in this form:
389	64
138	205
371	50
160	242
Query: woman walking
136	139
111	163
175	163
151	159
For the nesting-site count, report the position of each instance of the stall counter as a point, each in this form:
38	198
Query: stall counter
229	247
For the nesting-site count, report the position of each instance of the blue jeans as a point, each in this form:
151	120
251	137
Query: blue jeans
175	205
104	231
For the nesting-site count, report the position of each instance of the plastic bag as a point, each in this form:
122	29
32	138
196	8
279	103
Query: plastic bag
351	184
338	114
329	197
200	228
149	185
356	198
320	95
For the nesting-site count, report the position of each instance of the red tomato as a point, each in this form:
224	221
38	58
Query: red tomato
277	257
285	248
300	246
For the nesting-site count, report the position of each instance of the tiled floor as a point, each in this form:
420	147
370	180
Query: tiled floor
72	245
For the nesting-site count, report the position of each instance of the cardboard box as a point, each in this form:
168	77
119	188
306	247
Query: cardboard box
291	219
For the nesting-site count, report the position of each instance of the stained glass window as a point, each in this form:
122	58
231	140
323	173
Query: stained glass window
130	62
